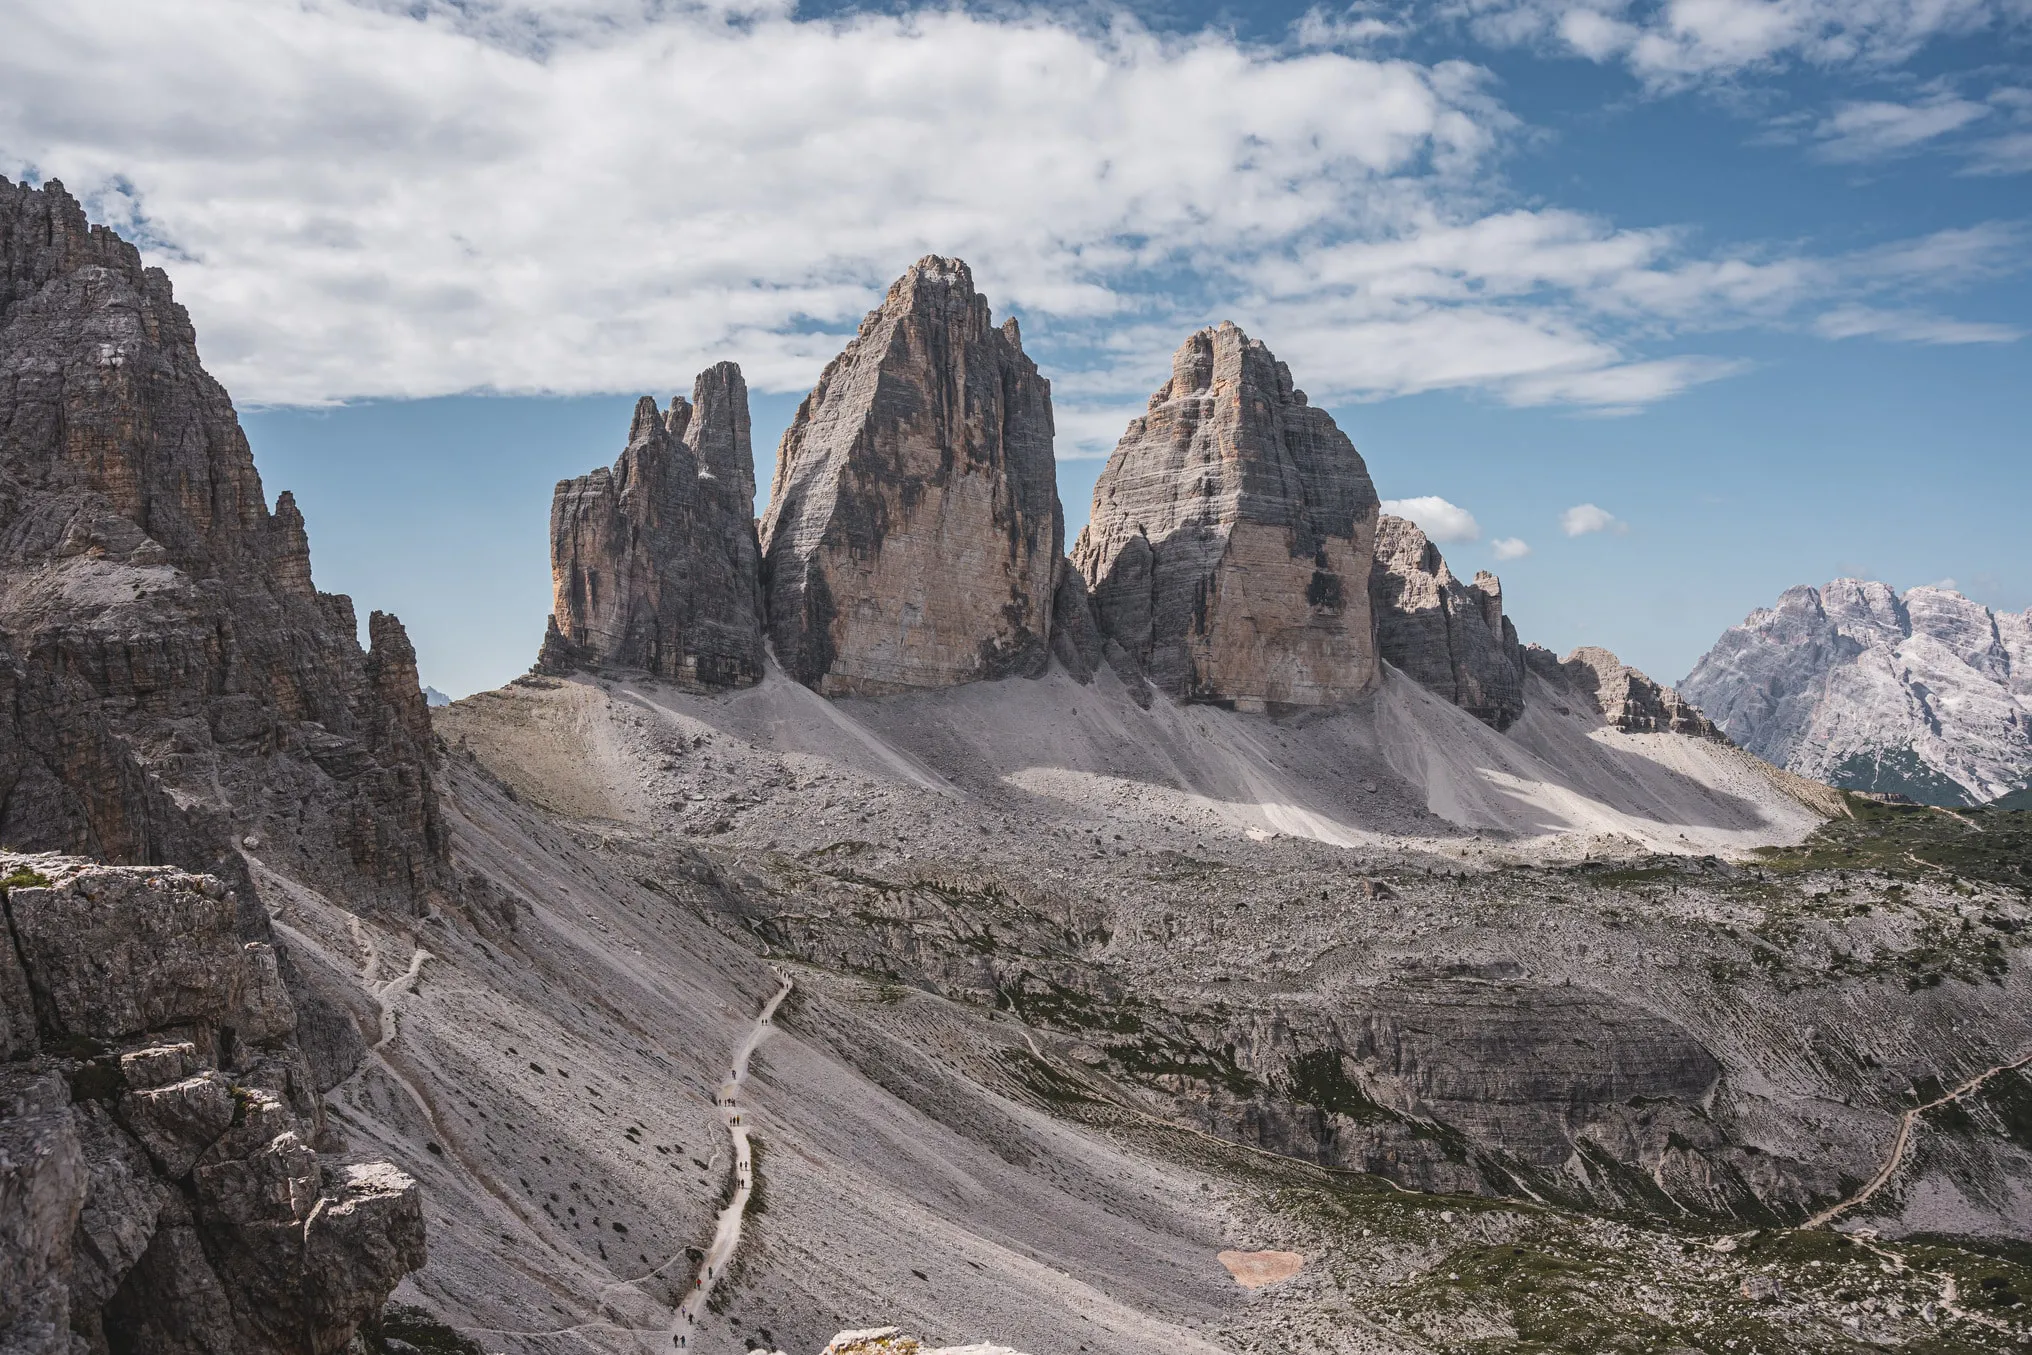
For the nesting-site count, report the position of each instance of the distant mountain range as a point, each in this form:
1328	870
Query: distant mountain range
1928	695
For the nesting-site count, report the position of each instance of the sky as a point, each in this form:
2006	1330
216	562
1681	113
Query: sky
1655	307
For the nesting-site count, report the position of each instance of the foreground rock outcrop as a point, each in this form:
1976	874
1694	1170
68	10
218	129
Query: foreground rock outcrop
914	530
1449	637
1928	695
654	564
161	1185
171	681
1229	548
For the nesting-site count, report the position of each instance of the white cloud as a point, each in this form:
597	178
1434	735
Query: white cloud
1357	26
411	197
2007	154
1583	518
1851	322
1878	130
1509	548
1442	521
1672	43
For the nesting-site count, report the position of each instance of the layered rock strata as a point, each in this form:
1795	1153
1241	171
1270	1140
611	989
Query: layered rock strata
159	1133
1229	548
654	564
171	681
1625	698
914	530
1928	695
1451	638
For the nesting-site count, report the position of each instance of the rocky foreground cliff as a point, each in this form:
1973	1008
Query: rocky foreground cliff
161	1181
171	680
1928	695
176	693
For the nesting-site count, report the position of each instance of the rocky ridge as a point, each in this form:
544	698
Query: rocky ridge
160	1129
174	693
171	681
1928	695
654	564
1229	549
1449	637
1626	699
1236	552
914	533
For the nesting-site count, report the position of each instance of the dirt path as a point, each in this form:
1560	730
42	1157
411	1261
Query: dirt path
1903	1140
727	1231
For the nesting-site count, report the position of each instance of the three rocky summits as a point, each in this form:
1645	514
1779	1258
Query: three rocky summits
1236	552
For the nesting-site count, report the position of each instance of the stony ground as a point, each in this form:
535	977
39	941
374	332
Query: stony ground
1062	1034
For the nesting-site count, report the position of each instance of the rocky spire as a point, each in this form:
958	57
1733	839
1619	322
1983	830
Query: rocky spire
914	528
653	563
1449	637
1229	546
171	682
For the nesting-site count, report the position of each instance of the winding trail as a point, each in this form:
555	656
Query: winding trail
1903	1140
727	1231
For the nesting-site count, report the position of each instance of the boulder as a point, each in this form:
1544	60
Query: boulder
1230	542
115	952
178	1122
654	564
1449	637
914	530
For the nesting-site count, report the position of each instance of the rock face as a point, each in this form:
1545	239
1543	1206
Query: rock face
170	679
654	564
159	1171
914	530
1625	697
1928	695
1230	543
1449	637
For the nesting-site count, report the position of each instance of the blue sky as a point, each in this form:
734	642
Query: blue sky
1747	276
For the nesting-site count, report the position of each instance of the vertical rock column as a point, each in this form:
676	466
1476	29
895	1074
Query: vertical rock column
1449	637
914	527
654	565
1231	536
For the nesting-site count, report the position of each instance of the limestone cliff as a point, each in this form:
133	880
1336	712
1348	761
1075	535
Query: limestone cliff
1626	698
171	682
1451	638
1230	542
1927	695
654	564
914	529
160	1128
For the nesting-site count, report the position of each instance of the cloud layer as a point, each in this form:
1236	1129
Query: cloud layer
362	199
1677	42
